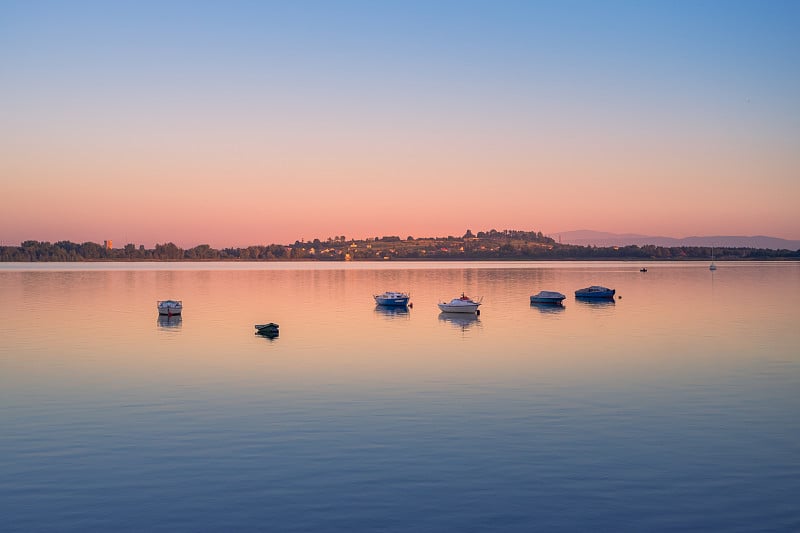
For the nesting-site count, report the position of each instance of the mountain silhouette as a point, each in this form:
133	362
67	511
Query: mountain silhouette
602	238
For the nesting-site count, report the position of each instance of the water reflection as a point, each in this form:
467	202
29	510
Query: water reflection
170	322
352	398
392	311
462	321
596	303
548	308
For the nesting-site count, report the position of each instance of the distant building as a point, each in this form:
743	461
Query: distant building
108	245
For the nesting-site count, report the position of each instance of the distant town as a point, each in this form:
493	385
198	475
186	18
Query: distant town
483	245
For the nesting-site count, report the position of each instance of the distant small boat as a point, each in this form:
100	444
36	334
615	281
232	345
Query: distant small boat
642	269
268	330
547	297
170	307
712	266
392	298
595	291
462	304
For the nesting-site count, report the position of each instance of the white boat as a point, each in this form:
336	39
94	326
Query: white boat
463	304
170	307
547	297
595	291
712	266
392	298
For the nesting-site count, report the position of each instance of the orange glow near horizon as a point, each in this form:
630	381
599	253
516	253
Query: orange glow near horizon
235	207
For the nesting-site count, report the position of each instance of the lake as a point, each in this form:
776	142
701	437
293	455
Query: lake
675	407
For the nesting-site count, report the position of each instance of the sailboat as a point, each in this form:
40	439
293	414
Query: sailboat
712	266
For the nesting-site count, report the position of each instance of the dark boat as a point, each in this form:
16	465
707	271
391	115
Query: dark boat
268	330
595	291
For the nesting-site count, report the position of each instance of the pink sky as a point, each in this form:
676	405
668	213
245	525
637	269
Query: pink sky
227	190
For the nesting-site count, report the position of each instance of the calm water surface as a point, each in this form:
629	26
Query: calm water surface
674	408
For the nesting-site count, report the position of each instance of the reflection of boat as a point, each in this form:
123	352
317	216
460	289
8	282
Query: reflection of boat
550	308
170	307
392	310
392	298
547	297
462	321
169	321
267	330
596	302
595	291
463	304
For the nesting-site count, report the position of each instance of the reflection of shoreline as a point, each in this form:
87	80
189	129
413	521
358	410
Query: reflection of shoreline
170	322
392	311
462	321
548	308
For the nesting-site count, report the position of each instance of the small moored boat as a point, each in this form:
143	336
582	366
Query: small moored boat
268	330
392	298
170	307
547	297
463	304
595	291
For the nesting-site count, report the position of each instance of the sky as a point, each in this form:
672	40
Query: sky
234	123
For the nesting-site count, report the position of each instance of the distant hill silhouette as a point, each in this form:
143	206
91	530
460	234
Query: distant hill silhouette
601	238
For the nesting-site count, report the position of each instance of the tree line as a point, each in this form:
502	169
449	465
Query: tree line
484	245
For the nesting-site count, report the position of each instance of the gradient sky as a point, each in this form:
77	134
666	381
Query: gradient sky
247	122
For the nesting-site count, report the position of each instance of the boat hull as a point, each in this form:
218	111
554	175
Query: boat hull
463	308
547	300
394	302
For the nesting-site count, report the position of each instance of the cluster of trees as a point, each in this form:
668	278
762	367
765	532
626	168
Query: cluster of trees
66	251
492	244
527	236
